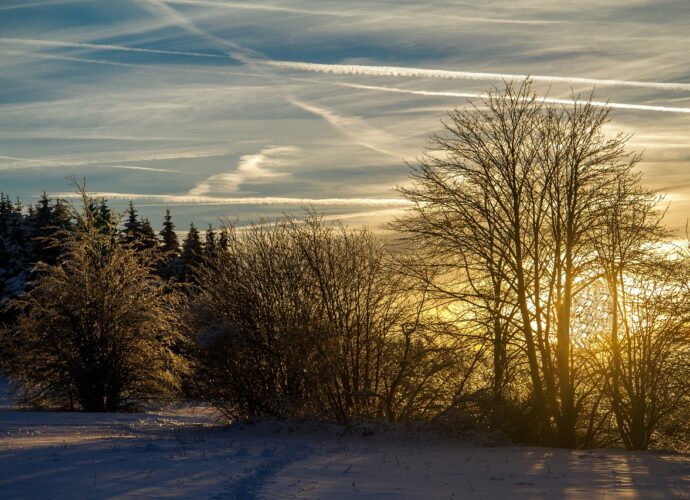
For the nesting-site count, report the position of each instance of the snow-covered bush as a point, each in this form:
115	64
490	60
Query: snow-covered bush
98	331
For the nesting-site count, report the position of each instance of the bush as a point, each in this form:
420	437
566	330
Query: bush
308	319
98	331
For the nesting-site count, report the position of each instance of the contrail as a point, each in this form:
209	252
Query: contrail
335	217
97	46
146	169
467	95
347	14
355	69
355	128
263	200
69	58
234	50
178	69
28	5
108	158
613	105
259	7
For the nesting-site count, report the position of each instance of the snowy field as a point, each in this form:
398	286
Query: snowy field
184	454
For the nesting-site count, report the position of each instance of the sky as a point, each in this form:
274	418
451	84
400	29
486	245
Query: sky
242	109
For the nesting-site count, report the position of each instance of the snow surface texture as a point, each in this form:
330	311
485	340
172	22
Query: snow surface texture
183	454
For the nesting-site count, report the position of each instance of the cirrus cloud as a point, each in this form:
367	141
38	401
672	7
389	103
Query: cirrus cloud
255	168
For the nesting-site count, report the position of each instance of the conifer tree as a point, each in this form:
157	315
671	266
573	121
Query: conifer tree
170	243
15	249
211	242
43	210
105	219
137	233
192	251
169	264
47	222
192	247
131	233
148	235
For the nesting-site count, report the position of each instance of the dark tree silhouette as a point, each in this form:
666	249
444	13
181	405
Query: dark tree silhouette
192	254
136	233
170	244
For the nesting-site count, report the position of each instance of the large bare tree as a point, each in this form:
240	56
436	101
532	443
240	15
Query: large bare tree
508	196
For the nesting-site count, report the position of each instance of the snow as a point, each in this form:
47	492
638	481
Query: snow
184	453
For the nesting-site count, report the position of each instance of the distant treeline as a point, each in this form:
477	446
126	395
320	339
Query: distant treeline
30	234
535	294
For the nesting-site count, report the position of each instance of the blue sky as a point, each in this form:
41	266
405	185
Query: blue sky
240	109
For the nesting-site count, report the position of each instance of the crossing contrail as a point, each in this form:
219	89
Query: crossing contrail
469	95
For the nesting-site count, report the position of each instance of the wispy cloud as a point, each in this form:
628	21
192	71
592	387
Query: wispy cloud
395	71
254	168
82	135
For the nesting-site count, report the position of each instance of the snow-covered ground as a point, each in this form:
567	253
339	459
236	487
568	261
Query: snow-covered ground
183	453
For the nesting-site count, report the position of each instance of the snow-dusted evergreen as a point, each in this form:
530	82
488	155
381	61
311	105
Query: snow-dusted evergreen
99	330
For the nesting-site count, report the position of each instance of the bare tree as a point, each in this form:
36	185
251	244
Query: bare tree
654	351
630	235
507	195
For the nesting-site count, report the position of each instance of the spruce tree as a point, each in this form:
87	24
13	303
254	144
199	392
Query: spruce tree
148	235
48	222
211	242
170	243
137	233
131	233
15	248
43	210
192	247
105	219
192	251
